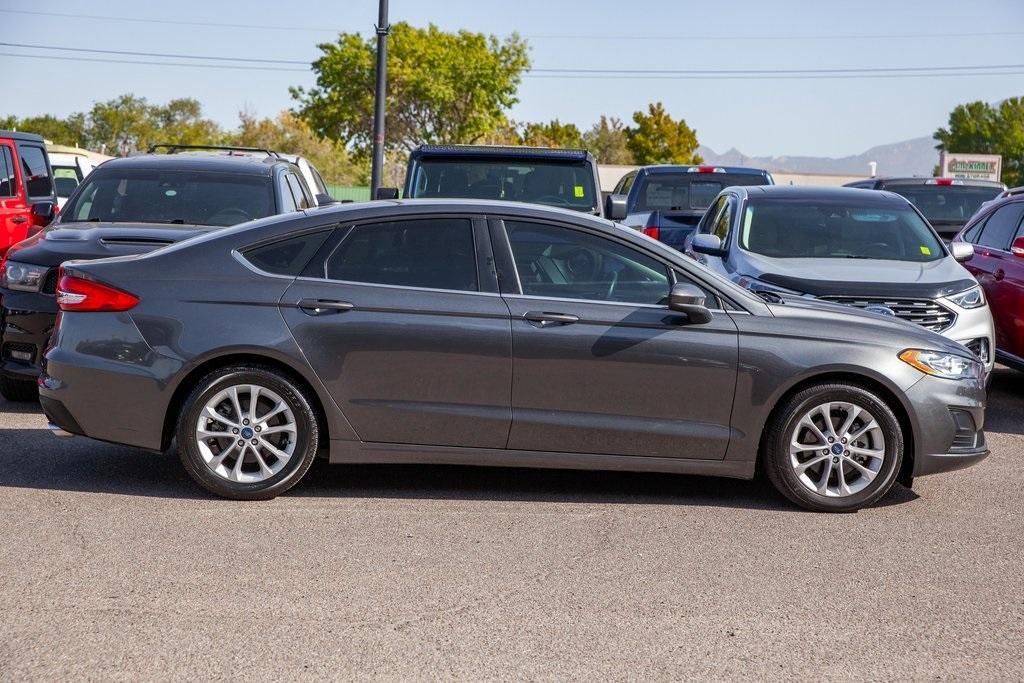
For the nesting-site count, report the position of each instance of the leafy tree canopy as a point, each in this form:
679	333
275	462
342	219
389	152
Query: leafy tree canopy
982	128
659	139
608	142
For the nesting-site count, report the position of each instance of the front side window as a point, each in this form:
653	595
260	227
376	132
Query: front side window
560	262
8	182
723	221
435	253
37	175
114	195
1001	227
813	228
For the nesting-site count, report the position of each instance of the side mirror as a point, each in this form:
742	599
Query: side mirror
689	299
386	193
704	243
963	251
1017	248
615	207
323	199
43	213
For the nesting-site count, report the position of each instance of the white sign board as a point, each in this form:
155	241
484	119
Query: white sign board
970	166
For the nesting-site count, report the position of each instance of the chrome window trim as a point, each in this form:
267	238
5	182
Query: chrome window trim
306	278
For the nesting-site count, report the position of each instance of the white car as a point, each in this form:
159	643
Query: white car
70	167
313	179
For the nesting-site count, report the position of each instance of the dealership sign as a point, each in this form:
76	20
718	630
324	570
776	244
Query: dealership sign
970	166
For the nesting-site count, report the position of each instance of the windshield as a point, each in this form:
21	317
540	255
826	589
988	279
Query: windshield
687	191
189	197
789	228
946	203
568	185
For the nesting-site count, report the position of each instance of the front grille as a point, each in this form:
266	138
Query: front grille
18	350
924	312
979	347
49	285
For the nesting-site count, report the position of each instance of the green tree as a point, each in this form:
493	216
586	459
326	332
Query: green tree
659	139
442	87
132	123
607	141
66	131
552	134
291	135
981	128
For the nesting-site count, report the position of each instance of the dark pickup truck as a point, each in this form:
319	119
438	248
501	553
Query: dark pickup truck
565	178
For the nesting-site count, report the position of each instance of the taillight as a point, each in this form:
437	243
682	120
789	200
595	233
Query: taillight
653	231
78	294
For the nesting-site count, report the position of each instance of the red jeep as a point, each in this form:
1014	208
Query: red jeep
28	200
997	233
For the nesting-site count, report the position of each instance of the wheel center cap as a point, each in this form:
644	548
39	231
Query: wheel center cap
837	448
247	433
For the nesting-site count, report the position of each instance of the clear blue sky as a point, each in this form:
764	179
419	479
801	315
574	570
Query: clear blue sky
828	117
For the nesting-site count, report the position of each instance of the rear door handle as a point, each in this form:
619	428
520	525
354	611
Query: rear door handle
325	306
546	319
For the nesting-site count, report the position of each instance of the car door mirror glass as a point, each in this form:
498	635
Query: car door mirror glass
705	243
386	193
615	207
689	299
962	251
42	213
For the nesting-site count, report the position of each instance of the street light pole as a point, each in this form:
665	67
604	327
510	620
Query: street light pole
377	168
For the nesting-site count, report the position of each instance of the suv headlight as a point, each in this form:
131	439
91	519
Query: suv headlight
22	277
971	298
945	365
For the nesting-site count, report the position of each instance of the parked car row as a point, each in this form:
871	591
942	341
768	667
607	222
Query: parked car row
255	330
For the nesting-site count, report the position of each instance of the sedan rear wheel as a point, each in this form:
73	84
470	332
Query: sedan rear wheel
247	433
833	447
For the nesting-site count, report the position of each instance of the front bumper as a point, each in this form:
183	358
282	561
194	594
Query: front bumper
949	420
26	322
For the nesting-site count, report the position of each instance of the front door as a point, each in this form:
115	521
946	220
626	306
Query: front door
998	271
14	210
408	333
600	364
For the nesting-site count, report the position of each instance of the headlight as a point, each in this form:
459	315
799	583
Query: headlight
972	298
22	277
945	365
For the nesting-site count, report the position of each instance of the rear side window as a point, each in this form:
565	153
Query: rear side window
1001	226
8	185
287	257
436	253
37	175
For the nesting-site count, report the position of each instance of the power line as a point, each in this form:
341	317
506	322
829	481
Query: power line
541	36
563	71
239	67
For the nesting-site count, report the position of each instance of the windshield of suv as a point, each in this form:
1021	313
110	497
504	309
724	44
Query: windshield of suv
569	185
805	228
687	191
188	197
946	203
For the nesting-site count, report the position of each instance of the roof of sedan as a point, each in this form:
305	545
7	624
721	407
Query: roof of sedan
254	165
823	193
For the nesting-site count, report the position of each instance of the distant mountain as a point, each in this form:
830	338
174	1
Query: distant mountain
910	157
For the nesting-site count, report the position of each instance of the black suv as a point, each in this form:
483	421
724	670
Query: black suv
947	203
565	178
129	206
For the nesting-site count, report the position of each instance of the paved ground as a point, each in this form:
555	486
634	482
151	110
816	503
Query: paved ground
114	565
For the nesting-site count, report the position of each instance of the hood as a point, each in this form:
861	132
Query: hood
70	241
861	277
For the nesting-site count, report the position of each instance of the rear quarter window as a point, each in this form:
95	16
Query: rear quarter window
289	256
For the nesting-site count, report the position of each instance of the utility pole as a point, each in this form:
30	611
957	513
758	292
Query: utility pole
377	169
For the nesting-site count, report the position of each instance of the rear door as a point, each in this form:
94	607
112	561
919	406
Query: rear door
600	364
993	262
14	211
402	321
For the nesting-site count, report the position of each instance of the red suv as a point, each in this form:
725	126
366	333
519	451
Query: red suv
28	200
997	233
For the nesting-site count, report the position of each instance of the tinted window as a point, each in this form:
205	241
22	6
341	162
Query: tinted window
199	198
434	253
811	228
946	204
723	221
287	257
687	191
301	201
566	184
37	176
1001	227
8	185
972	234
561	262
66	179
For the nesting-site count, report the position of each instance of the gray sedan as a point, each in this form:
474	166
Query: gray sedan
493	333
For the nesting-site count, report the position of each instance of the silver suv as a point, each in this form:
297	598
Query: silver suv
863	248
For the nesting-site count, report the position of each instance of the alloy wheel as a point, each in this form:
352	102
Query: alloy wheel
837	449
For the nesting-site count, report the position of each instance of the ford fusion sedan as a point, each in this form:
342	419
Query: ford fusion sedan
871	250
494	333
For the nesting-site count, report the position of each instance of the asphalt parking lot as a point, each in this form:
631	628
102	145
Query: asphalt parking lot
115	565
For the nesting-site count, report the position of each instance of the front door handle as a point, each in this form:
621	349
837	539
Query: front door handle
324	306
999	274
546	319
18	220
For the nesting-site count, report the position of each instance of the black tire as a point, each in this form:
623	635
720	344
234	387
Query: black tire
18	390
782	424
307	435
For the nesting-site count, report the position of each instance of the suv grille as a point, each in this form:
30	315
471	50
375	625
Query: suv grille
924	312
